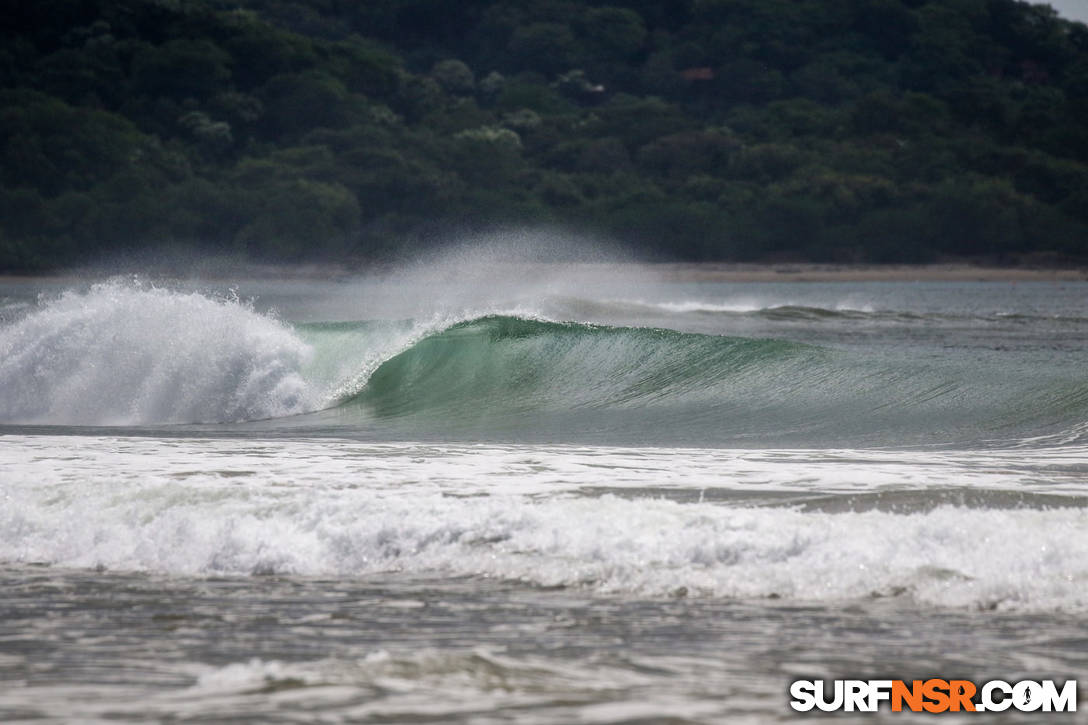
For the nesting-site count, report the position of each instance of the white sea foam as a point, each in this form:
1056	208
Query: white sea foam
704	306
129	353
124	353
333	508
739	306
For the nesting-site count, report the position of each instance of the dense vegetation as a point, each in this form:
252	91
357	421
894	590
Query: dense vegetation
839	130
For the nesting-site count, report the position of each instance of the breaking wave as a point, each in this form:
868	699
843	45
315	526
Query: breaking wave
531	514
125	354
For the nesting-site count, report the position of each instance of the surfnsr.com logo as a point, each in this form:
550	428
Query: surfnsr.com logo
933	696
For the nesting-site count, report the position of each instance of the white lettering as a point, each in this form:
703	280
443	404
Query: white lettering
879	691
1055	701
1027	696
803	693
834	704
992	705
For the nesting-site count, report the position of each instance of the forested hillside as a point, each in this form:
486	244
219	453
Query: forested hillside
838	130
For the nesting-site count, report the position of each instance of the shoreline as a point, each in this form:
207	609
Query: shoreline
666	271
719	272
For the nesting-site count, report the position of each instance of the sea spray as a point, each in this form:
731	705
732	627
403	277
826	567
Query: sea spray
125	353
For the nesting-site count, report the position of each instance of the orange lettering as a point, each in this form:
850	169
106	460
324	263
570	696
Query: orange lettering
961	693
936	691
911	695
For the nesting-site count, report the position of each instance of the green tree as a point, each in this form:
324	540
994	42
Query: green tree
180	68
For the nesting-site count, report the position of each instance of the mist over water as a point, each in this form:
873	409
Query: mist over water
545	352
502	466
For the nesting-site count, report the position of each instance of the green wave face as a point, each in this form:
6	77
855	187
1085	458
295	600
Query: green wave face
501	378
507	364
124	354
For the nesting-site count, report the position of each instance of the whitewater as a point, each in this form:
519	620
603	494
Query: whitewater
480	490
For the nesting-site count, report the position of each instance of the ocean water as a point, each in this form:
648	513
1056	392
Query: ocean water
532	493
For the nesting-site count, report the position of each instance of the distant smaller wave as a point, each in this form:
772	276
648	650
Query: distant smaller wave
697	306
789	311
736	307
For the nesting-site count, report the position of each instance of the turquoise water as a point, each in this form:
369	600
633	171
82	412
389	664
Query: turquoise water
532	493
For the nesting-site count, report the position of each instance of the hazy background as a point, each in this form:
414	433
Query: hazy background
1073	9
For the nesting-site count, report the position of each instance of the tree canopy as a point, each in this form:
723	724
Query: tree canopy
748	130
